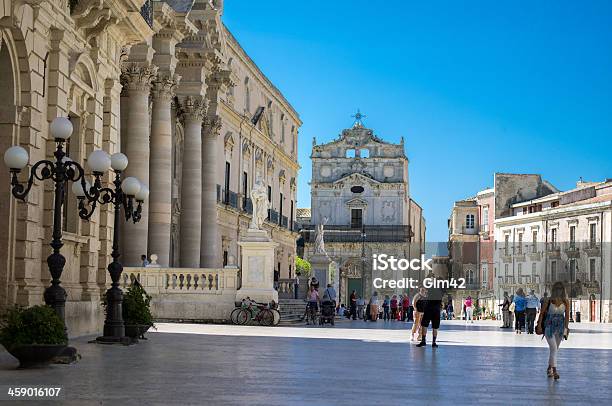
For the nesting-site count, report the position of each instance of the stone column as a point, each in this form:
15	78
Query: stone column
136	80
210	235
216	85
191	188
160	170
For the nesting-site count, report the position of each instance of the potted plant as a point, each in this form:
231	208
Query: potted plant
33	335
137	311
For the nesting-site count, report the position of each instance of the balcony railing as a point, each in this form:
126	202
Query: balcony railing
284	222
469	230
272	216
344	233
146	11
227	197
247	205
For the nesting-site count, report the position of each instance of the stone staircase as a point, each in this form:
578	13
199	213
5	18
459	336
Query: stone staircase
291	311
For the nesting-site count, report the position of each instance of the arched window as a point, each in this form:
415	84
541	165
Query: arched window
350	153
247	95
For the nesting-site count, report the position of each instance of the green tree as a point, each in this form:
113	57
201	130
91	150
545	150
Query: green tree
303	267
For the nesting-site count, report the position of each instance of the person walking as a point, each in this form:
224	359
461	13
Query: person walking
394	307
431	314
386	305
469	310
354	305
531	310
450	311
553	322
520	304
313	302
374	306
360	307
405	306
505	310
418	302
296	285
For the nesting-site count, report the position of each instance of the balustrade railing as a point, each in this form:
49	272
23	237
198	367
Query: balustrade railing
175	280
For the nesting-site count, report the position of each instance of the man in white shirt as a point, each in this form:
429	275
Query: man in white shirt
330	294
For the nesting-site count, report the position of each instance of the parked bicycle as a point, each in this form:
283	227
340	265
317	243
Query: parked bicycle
264	314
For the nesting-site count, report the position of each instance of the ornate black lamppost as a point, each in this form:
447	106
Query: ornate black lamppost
61	171
123	195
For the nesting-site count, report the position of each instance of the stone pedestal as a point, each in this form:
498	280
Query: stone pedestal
257	267
320	269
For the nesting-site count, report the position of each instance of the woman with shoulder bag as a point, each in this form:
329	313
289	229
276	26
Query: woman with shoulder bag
553	324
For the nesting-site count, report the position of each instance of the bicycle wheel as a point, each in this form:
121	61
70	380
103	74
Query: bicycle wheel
277	316
266	318
234	315
243	316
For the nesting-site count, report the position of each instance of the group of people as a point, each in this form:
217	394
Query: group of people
394	308
520	310
314	299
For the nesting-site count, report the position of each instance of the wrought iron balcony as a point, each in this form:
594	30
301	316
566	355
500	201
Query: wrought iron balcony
247	205
227	197
284	221
272	216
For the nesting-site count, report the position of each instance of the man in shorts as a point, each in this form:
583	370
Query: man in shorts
433	305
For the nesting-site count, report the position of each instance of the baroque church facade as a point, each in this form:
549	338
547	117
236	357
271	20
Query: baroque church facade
360	191
167	84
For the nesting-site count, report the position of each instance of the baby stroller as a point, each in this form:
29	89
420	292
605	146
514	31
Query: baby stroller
328	313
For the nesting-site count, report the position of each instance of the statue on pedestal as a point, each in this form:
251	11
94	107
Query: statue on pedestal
259	199
319	247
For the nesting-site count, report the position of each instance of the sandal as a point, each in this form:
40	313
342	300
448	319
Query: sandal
549	372
555	374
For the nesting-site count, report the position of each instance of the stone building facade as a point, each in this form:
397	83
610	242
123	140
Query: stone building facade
360	191
165	83
563	236
471	240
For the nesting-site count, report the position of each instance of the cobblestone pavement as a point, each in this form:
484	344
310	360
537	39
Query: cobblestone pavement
352	363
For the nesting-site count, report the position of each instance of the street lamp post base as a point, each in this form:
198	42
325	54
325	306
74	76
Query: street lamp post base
113	340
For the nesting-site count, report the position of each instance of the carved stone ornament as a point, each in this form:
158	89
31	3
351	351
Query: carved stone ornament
194	107
136	77
164	85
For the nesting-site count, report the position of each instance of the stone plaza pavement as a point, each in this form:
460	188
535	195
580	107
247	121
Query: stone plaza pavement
353	363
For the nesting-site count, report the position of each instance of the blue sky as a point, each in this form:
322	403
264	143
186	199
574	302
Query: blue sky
474	87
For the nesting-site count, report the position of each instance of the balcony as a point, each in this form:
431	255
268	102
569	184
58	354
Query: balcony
592	249
554	250
284	221
344	233
227	197
272	216
469	230
572	250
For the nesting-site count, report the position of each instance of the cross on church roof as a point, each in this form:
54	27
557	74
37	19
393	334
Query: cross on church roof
358	116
